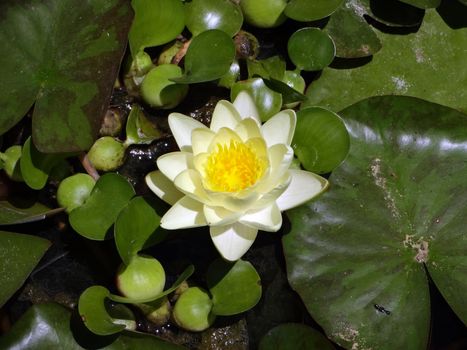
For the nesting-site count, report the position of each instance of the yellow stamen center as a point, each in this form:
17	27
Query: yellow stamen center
233	167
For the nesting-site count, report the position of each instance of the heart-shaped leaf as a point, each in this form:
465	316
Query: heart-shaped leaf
109	196
19	254
397	208
305	10
208	57
293	336
406	65
156	22
62	56
134	228
321	141
235	287
20	211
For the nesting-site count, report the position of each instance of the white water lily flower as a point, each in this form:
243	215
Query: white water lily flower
234	176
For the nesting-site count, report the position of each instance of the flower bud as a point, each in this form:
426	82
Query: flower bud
107	154
192	310
74	190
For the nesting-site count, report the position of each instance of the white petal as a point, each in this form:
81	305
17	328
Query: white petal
303	187
232	241
172	164
163	187
186	213
245	105
189	182
201	139
181	127
280	158
266	219
218	216
280	128
223	137
248	129
224	116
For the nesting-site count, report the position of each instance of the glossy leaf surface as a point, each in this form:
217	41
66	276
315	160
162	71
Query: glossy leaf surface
62	56
311	49
23	211
49	326
235	287
208	57
108	197
135	226
357	255
321	141
203	15
156	22
406	65
19	254
305	10
294	336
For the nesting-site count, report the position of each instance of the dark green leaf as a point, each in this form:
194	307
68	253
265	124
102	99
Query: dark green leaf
306	10
62	55
235	287
294	336
49	326
289	94
321	141
183	277
311	49
139	130
19	254
412	65
203	15
108	197
20	211
351	33
208	57
272	67
156	22
134	228
398	203
423	4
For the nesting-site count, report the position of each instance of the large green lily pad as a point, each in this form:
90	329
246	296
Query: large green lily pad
429	64
62	55
397	208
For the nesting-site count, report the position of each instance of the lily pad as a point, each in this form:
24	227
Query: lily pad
406	65
208	57
272	67
156	22
63	56
305	10
311	49
224	15
423	4
19	254
16	211
108	197
134	228
235	287
294	336
321	141
358	256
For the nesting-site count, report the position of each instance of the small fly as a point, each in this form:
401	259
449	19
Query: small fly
382	309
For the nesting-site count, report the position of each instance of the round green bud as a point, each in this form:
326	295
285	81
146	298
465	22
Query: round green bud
74	190
192	310
158	91
107	154
143	278
264	13
10	162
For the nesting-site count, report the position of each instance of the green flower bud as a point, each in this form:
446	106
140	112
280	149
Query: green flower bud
74	190
264	13
107	154
192	310
143	278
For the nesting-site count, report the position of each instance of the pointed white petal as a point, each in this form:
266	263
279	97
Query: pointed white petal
280	158
186	213
189	182
163	187
224	116
232	241
181	127
218	216
280	128
172	164
303	187
266	219
245	105
201	139
248	129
